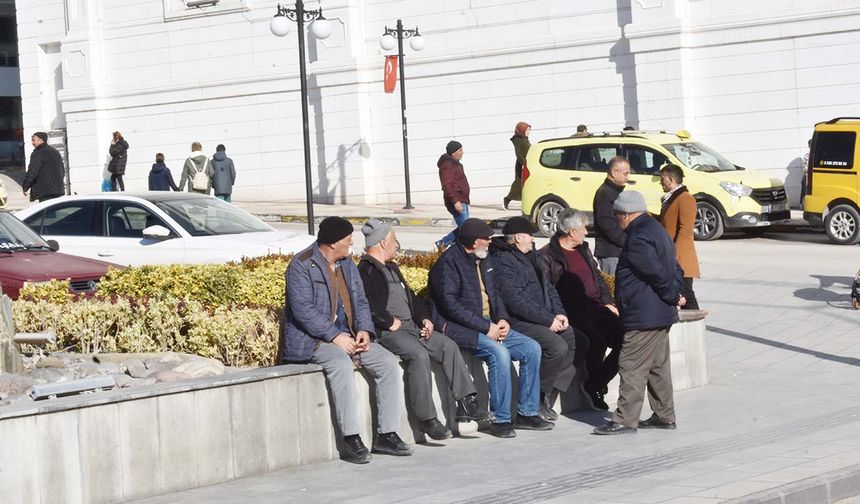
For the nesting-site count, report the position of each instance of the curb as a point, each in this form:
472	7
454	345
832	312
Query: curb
825	488
445	222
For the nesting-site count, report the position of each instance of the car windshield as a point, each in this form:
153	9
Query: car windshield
700	157
211	216
15	235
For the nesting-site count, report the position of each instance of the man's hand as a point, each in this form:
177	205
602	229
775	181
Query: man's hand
362	341
682	300
345	342
396	325
559	323
613	309
495	332
427	329
504	329
458	207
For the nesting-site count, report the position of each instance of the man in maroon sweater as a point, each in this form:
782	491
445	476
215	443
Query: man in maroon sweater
455	188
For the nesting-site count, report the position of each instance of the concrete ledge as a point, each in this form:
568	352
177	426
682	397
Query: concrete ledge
826	488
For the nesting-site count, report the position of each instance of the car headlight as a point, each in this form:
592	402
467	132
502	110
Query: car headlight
738	190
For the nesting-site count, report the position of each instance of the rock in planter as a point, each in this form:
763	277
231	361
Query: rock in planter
14	384
171	376
201	367
135	368
50	362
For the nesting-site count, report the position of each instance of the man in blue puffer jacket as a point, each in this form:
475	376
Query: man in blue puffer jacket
648	285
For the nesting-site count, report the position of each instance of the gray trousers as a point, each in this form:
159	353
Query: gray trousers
417	354
340	373
608	264
644	364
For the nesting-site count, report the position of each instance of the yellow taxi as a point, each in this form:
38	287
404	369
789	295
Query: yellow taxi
833	180
566	172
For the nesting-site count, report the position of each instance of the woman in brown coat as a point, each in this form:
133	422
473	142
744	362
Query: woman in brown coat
678	216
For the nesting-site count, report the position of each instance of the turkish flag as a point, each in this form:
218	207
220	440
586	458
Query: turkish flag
390	73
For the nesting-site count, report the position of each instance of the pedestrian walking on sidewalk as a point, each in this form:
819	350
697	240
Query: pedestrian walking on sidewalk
455	188
224	174
118	158
160	178
45	174
521	148
648	292
608	236
197	170
678	216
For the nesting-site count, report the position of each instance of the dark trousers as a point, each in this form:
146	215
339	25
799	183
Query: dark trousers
603	330
644	365
416	355
557	354
689	295
116	180
48	197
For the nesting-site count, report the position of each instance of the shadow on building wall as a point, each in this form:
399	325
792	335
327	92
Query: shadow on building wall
625	65
793	181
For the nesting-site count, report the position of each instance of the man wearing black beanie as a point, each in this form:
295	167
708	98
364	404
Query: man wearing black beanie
455	188
328	322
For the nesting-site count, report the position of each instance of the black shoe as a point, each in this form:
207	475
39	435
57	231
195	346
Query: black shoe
468	410
594	398
534	422
655	423
435	429
391	444
612	429
354	450
546	404
505	202
503	430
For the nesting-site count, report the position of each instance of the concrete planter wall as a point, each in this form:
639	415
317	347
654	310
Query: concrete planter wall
133	443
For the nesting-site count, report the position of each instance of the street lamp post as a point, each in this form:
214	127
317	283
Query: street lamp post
321	28
387	43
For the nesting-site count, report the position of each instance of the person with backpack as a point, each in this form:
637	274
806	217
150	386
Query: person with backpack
118	158
197	171
224	174
160	178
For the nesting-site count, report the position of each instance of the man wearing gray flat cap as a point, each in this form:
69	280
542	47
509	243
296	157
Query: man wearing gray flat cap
404	326
648	285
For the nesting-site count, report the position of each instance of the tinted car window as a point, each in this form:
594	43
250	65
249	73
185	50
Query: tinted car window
595	157
69	219
562	158
644	161
124	220
833	149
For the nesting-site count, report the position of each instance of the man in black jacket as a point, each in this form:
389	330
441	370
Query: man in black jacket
648	292
45	173
535	309
587	300
465	291
608	236
405	328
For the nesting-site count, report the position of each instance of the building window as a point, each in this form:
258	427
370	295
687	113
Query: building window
175	10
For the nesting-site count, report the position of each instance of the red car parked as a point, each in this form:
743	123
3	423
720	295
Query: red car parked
26	258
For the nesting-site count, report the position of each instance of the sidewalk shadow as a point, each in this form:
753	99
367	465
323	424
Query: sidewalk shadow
592	418
822	293
851	361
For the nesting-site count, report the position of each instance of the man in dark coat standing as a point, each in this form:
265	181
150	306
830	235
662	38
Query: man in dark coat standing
405	327
223	174
535	309
608	236
327	322
471	312
45	173
455	188
648	293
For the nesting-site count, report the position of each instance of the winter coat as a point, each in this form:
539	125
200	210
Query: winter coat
196	162
45	173
308	306
376	289
521	148
526	291
455	186
648	279
678	216
118	157
552	260
224	173
456	293
160	178
608	236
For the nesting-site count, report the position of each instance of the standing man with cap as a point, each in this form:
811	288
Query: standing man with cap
464	287
648	293
608	236
455	188
328	322
45	173
535	308
405	328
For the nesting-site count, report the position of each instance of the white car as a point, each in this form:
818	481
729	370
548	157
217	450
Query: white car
134	229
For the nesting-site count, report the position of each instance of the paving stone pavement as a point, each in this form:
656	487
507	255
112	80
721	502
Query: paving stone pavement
782	406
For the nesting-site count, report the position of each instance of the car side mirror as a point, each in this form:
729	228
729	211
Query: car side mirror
53	245
156	232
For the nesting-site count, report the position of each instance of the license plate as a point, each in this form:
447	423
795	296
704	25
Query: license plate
776	207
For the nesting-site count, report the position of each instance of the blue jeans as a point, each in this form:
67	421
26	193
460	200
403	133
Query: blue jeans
458	218
498	357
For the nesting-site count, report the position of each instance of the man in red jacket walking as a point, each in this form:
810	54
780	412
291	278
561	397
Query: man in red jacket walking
455	188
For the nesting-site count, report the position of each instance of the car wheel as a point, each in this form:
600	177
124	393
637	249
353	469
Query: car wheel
709	223
856	303
843	225
547	217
